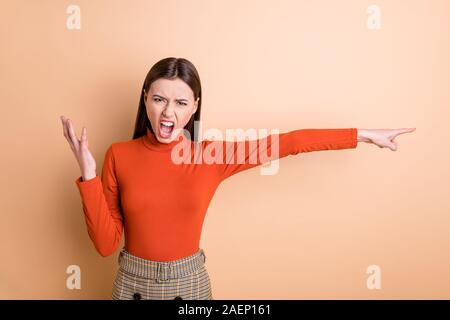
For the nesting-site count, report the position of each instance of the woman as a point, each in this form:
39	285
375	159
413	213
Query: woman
160	195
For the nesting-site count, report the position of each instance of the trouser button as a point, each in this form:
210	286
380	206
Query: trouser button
137	296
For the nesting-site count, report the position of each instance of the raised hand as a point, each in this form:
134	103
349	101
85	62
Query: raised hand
80	149
383	138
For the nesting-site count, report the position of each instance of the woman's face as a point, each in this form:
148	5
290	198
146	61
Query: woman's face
169	100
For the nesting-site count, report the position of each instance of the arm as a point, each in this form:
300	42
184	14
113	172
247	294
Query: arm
288	143
101	207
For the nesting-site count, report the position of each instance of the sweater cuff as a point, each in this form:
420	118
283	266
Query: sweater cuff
85	184
353	137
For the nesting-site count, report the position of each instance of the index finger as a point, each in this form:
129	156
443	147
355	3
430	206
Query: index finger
405	130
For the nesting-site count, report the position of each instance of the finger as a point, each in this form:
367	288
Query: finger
72	134
61	118
392	147
63	125
405	130
66	130
394	144
84	137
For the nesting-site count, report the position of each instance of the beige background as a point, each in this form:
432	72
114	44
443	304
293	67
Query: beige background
308	232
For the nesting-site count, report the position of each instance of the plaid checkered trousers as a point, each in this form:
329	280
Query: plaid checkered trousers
185	278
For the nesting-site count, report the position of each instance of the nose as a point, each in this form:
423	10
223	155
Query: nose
168	110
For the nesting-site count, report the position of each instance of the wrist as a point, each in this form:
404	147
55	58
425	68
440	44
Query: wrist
363	135
88	176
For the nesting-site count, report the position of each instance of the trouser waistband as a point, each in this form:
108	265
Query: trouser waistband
161	270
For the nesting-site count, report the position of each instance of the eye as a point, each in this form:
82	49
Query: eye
157	99
182	103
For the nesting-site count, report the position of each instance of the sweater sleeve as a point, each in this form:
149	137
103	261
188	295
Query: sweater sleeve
101	207
275	146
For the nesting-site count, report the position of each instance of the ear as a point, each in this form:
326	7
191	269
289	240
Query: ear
145	97
195	106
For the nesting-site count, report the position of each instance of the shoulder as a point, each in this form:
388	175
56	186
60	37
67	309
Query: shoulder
125	146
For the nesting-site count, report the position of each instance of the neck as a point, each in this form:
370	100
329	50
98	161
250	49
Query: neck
152	142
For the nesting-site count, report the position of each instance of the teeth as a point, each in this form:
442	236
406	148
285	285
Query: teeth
168	124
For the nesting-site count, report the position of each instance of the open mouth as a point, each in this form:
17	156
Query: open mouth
166	128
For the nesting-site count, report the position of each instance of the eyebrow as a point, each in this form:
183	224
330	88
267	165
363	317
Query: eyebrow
157	95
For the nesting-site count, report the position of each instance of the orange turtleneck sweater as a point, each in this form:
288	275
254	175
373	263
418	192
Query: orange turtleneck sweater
162	203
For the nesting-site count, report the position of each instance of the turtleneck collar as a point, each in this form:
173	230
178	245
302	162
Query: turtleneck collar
152	142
